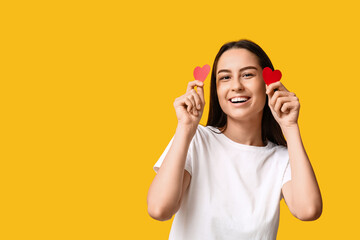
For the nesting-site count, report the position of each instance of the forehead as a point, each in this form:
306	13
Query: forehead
237	58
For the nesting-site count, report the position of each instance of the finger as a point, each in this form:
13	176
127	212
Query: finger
276	110
280	102
276	85
200	91
177	102
191	97
291	103
286	107
276	95
294	104
271	90
188	104
195	112
197	100
194	83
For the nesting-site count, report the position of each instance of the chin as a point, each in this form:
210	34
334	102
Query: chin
245	115
238	116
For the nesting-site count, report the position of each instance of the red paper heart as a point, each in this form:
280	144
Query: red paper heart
201	73
270	76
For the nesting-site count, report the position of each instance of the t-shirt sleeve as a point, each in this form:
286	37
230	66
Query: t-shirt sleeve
287	174
188	165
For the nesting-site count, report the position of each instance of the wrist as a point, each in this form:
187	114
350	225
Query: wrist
185	129
291	129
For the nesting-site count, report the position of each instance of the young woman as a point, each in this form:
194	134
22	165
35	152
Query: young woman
225	180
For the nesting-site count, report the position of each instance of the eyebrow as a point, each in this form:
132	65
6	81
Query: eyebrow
242	69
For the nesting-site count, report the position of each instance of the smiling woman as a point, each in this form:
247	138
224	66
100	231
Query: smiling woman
244	51
226	180
243	80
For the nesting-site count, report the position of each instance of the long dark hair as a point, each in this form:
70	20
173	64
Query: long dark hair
270	129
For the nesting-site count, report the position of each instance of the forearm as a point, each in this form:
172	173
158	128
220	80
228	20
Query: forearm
165	190
306	194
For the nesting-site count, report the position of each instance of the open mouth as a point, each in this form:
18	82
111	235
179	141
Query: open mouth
238	100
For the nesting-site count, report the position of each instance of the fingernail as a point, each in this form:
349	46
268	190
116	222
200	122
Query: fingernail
198	106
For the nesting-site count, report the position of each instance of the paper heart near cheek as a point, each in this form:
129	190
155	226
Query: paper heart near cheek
270	76
201	73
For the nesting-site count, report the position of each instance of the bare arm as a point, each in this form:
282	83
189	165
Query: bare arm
301	193
167	187
171	181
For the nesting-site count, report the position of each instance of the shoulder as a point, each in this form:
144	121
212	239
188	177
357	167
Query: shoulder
280	149
279	152
206	131
201	130
204	134
276	147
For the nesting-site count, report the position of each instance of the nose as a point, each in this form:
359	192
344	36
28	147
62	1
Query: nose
237	85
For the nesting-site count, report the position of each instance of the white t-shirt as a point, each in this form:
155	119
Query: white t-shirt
235	189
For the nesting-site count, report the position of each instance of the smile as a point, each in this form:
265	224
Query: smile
239	101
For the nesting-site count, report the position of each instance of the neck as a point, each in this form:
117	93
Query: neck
247	132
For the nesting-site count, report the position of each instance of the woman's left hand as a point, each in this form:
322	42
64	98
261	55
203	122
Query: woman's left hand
283	104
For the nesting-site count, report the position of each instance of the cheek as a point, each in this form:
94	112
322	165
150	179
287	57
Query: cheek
260	84
220	92
261	92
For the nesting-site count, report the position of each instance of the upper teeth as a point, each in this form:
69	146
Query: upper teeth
238	99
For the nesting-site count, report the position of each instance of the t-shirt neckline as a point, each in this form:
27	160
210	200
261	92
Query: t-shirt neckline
240	145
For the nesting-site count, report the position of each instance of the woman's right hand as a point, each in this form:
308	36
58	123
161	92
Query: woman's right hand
190	106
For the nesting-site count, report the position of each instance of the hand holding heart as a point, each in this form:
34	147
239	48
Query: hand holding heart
283	104
190	106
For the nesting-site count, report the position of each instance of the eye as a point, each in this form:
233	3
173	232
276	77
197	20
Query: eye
224	77
248	75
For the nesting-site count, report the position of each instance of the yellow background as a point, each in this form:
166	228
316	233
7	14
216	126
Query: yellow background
87	91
